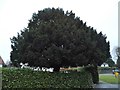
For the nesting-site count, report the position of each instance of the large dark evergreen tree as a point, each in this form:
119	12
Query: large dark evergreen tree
57	39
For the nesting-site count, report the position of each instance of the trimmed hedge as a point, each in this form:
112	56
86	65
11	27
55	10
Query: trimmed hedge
25	78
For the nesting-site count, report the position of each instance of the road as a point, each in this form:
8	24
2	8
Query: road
106	85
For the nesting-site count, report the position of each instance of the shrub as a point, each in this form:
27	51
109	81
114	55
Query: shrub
24	78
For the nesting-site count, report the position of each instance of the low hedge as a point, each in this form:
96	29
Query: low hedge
25	78
105	68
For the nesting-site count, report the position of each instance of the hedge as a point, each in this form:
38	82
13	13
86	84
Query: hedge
25	78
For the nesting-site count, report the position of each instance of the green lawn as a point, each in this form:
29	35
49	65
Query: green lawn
109	79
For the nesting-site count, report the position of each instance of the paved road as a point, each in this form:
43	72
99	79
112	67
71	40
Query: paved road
106	86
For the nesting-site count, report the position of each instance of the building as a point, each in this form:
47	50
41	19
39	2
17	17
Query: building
1	62
104	65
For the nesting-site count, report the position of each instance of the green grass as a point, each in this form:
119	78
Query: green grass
24	78
109	79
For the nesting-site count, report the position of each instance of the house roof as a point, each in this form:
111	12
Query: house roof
1	60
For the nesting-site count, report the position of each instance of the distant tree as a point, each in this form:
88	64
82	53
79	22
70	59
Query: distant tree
9	63
57	39
110	62
118	56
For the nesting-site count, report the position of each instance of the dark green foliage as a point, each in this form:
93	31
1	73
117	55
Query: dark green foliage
94	72
117	50
57	39
110	62
4	65
25	78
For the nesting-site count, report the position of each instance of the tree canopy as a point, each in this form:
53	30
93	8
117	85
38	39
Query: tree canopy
54	38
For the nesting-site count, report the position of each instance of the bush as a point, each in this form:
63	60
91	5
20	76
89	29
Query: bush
24	78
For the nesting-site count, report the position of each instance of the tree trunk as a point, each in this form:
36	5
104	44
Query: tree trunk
95	74
56	69
118	62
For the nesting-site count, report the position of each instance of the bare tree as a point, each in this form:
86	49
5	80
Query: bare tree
118	56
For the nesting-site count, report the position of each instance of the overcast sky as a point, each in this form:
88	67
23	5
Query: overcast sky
14	16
